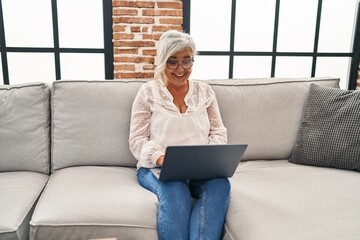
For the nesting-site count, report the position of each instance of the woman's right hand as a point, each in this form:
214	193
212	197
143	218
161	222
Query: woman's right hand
160	161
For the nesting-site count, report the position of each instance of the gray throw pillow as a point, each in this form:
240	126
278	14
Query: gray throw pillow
329	134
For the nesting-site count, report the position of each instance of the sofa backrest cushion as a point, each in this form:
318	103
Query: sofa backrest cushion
24	127
91	119
90	123
265	113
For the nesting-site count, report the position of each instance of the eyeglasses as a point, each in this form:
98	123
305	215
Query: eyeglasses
173	64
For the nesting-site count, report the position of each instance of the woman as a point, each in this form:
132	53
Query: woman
172	110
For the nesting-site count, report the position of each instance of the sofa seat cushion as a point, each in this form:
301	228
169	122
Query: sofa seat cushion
280	200
19	192
95	202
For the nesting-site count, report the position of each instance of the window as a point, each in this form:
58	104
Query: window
55	40
275	38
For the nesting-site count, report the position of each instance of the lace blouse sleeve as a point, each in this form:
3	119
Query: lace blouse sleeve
143	149
218	132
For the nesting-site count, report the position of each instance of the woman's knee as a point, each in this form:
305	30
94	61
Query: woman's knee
176	190
176	195
218	186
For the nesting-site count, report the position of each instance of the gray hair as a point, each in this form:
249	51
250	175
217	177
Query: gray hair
169	43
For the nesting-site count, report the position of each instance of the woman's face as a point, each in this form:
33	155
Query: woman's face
179	68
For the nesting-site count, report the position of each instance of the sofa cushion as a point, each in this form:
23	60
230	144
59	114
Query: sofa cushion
24	127
264	113
329	135
19	192
91	118
91	122
95	202
280	200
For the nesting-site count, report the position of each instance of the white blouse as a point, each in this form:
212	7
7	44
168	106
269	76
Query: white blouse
156	122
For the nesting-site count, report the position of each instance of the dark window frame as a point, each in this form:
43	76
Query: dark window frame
107	50
354	55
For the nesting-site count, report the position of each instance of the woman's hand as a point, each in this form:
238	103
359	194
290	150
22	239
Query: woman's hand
160	160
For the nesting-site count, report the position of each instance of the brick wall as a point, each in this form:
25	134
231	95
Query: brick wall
137	25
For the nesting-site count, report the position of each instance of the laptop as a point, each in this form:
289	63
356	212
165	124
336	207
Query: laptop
194	162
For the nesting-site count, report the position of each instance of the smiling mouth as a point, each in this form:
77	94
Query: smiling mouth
179	75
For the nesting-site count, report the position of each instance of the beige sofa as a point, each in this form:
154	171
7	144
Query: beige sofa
79	182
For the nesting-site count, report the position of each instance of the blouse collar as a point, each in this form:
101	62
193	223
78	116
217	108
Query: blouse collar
167	98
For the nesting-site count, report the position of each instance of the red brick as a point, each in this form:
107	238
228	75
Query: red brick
140	20
119	28
126	50
173	5
121	67
134	44
136	4
125	12
147	59
135	28
164	28
151	36
151	12
149	67
151	52
127	59
118	36
175	21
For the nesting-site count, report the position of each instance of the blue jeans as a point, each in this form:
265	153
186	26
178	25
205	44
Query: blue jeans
178	218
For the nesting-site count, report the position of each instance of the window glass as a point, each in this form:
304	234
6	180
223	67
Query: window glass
254	25
82	66
297	24
254	32
337	25
210	67
28	23
31	67
252	67
337	67
210	27
80	24
293	67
